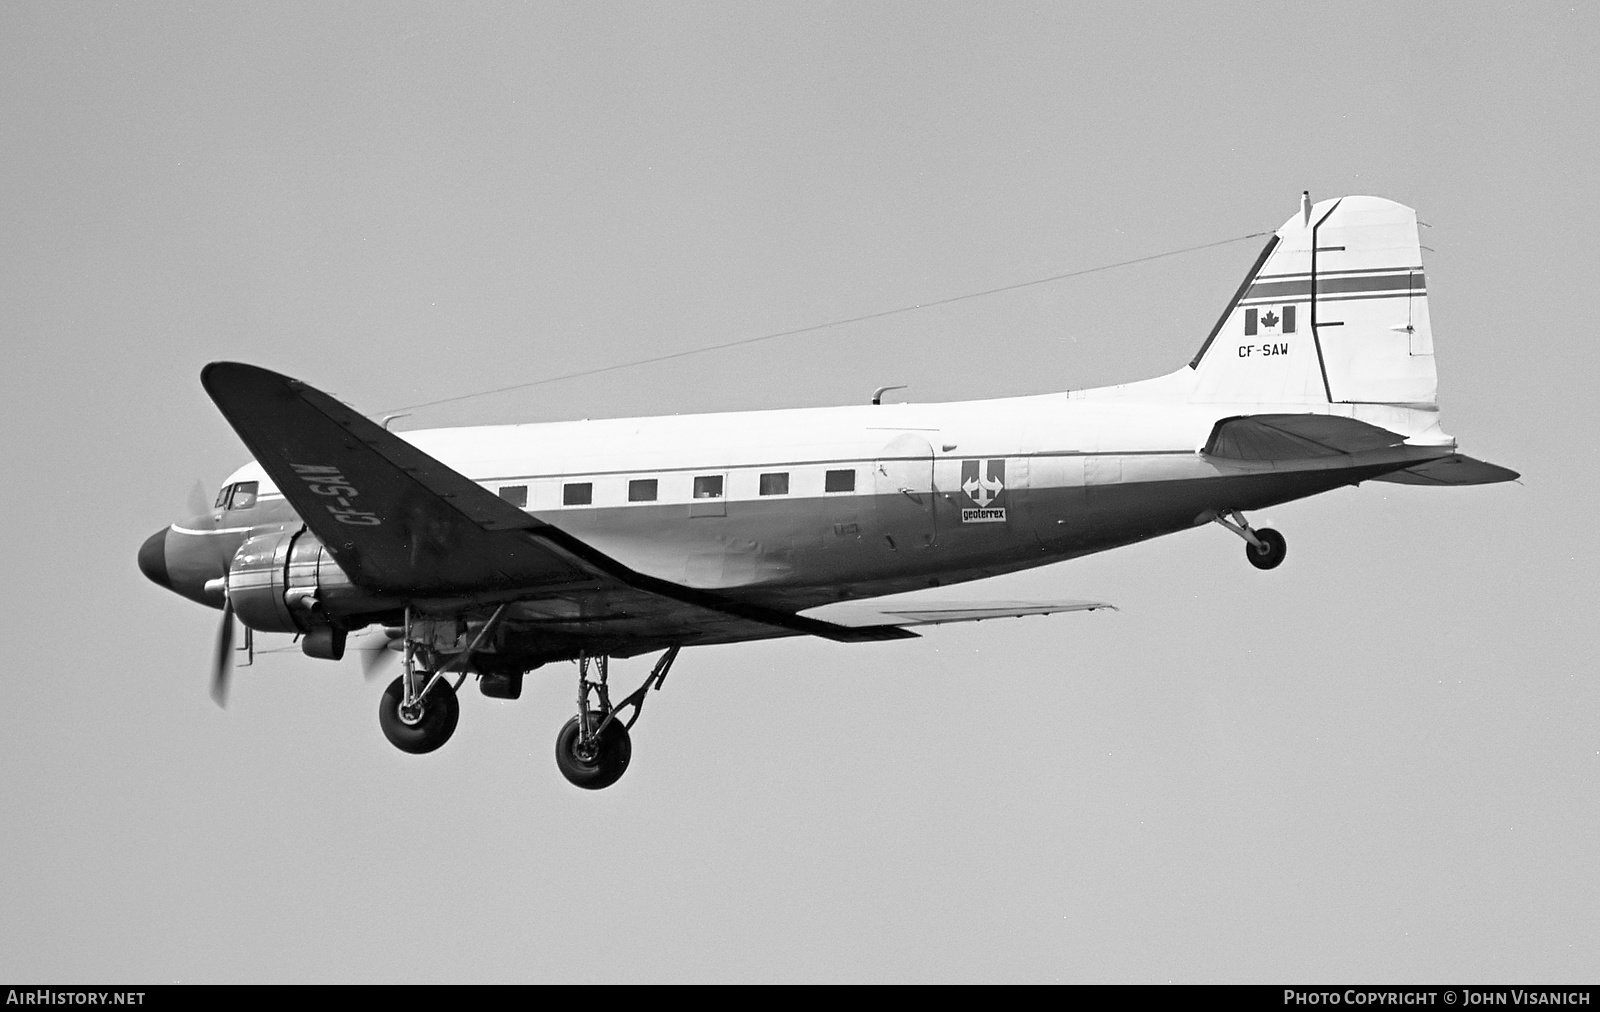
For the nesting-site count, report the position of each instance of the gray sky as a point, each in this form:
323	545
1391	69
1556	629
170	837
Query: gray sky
1379	762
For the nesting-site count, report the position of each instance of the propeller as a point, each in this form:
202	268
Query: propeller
199	502
378	649
222	663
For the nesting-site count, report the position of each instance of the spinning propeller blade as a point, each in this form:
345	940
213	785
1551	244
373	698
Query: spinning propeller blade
199	502
222	663
378	651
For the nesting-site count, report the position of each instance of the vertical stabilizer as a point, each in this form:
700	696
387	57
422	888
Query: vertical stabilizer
1335	310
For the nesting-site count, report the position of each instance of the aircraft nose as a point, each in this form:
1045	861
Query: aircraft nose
153	559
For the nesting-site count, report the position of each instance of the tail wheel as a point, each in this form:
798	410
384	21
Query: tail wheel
1270	554
427	725
599	765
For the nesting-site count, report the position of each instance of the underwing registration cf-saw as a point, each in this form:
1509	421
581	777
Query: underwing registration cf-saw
488	552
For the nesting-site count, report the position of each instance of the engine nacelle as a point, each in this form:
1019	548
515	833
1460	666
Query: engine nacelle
287	582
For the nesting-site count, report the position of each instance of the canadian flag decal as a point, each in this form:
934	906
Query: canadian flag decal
1276	320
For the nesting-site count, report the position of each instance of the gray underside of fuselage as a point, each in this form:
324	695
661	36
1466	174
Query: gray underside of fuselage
898	549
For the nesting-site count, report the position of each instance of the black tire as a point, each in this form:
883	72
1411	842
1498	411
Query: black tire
608	763
437	722
1276	549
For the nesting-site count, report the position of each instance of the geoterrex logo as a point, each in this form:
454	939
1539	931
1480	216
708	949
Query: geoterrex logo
984	483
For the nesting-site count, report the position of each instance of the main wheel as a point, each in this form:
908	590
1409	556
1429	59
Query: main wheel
427	726
600	766
1275	549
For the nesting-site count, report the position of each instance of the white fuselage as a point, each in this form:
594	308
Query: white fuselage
873	499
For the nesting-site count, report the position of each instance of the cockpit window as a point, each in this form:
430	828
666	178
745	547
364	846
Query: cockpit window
244	495
222	498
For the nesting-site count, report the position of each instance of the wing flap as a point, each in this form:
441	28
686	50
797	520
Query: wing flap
908	613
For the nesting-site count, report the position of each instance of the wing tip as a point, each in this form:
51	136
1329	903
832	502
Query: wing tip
218	376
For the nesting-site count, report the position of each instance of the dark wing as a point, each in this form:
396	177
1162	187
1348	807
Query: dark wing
403	524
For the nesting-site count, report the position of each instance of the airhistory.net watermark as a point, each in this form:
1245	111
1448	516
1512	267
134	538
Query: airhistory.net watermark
45	996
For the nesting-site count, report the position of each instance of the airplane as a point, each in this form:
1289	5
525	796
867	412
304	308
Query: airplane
490	551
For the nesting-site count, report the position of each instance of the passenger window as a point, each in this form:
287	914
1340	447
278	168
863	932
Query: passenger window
579	493
708	486
840	481
642	490
244	495
516	495
775	484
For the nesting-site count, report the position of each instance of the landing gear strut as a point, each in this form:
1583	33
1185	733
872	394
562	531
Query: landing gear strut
1265	548
593	748
419	710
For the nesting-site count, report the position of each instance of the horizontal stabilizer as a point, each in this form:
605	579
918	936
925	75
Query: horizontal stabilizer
1452	470
910	612
1295	437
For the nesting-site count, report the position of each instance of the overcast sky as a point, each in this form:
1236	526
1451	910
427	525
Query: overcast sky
1379	762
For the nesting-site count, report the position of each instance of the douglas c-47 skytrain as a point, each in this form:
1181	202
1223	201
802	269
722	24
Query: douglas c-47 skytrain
487	552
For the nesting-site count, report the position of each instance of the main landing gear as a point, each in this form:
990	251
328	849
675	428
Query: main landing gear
593	748
422	724
1265	548
419	710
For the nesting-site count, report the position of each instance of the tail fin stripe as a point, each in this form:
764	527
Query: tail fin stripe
1362	298
1291	275
1402	283
1326	299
